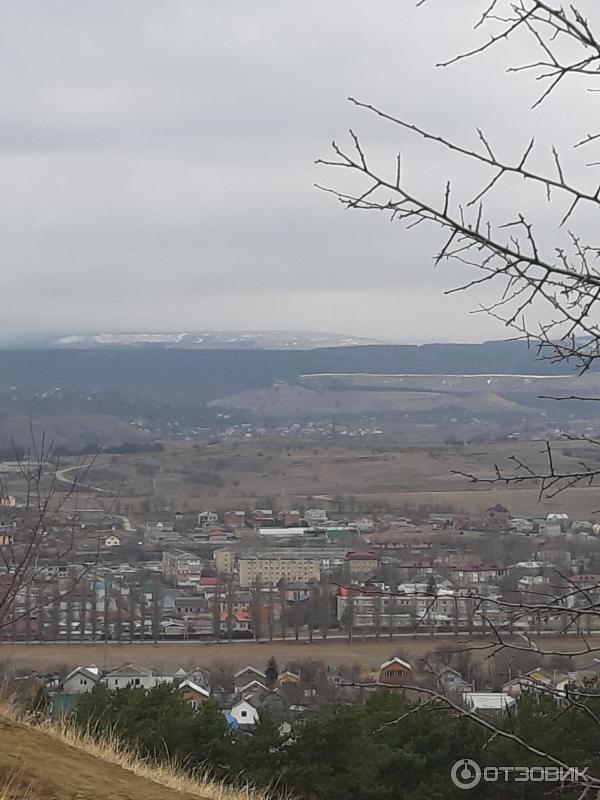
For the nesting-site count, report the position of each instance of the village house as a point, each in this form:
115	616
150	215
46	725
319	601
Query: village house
554	525
244	713
254	691
134	677
482	573
112	541
81	680
183	569
394	672
491	702
193	694
207	518
450	680
553	556
235	519
289	518
238	622
262	517
288	678
497	517
315	516
244	677
191	607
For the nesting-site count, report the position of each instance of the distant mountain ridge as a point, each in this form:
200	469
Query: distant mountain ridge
215	340
159	389
197	375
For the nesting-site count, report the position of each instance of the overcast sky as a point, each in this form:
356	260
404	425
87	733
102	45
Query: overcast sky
157	162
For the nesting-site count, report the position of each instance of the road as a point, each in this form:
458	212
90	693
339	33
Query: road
60	476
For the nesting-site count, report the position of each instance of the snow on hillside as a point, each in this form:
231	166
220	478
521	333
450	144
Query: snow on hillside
258	340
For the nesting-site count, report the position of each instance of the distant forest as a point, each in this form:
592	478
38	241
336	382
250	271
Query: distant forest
178	376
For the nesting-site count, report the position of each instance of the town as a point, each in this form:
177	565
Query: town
300	575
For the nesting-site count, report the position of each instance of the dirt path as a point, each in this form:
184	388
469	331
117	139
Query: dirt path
52	770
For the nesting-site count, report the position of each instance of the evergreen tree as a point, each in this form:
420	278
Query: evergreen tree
272	672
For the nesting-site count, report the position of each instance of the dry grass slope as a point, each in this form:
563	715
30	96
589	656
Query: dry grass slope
46	761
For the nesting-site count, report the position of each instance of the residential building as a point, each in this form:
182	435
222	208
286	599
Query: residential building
243	677
288	678
477	573
315	516
494	702
272	569
193	694
225	561
134	677
244	713
450	680
362	562
160	533
81	680
394	672
183	569
262	517
289	518
207	518
283	533
497	517
235	519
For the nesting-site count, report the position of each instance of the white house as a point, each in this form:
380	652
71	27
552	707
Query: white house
244	713
488	701
136	677
81	680
207	518
315	516
112	541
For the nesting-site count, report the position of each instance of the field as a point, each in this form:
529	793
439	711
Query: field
171	655
342	475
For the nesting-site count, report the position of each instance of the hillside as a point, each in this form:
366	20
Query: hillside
115	395
35	765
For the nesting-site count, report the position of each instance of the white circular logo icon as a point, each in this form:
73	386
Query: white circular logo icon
465	773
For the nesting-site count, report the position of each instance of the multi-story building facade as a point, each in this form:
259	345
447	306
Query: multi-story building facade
271	569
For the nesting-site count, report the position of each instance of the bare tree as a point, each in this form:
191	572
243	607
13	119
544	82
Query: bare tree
540	266
545	286
229	601
216	610
256	607
283	606
156	609
40	523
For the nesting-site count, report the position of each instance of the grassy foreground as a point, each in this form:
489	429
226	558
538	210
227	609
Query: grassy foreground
46	761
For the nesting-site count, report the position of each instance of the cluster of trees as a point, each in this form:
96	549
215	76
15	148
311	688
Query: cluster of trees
380	749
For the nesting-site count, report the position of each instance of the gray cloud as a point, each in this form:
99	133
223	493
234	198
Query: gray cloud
157	162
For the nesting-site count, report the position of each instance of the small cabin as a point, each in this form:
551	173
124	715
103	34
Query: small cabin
394	672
